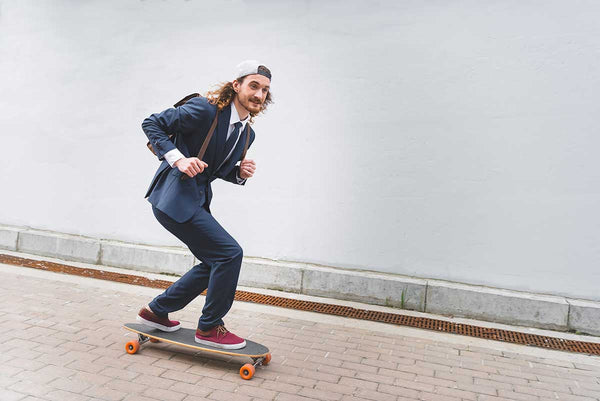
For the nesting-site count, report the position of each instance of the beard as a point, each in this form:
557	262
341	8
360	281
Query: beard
252	105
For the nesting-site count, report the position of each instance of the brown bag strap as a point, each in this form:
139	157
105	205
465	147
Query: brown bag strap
208	136
205	143
210	130
185	99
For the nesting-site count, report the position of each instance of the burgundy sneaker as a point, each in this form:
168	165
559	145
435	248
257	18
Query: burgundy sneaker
162	323
220	337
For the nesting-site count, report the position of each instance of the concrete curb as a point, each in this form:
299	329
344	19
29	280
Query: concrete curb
145	258
584	316
432	296
57	245
367	287
271	275
497	305
9	237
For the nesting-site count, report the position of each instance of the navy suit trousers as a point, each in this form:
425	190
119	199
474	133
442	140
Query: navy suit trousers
218	272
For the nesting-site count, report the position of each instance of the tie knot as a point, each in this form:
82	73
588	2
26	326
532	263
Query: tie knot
237	125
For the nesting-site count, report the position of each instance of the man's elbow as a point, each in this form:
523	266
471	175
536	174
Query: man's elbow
148	123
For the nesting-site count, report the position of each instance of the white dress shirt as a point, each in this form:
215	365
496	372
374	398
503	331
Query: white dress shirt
173	155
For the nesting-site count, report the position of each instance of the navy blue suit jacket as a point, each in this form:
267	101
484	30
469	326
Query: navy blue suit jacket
180	199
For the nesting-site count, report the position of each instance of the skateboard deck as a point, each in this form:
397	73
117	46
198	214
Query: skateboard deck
185	337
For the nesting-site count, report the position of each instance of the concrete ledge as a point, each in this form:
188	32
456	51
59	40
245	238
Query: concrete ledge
374	288
434	296
62	246
9	237
146	258
271	275
584	316
502	306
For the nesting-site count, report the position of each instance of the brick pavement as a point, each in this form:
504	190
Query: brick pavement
61	339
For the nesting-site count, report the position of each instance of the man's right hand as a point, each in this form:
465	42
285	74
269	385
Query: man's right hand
190	165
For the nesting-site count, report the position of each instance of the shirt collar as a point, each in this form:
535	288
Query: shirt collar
235	117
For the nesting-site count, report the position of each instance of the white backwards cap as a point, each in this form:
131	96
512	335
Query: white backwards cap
250	67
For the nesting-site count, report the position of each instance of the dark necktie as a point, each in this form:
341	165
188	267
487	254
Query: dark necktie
232	138
236	153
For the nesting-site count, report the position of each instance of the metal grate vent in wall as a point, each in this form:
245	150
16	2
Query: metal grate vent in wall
338	310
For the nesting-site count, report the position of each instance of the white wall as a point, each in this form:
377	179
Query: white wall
446	139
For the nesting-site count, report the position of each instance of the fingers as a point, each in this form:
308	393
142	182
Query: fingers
199	165
247	168
184	167
194	166
246	172
248	162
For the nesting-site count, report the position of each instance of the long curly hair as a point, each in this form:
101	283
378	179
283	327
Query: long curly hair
223	95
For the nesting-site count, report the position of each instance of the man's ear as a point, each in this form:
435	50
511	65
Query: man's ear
236	86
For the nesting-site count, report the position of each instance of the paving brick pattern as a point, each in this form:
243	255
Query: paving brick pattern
64	341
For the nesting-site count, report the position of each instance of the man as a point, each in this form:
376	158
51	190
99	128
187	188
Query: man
181	204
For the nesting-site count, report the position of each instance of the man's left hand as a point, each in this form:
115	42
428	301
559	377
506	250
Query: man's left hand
247	168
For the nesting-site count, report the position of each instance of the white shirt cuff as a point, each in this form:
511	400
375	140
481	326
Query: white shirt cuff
173	155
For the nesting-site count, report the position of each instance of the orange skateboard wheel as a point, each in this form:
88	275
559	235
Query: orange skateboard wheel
267	359
247	371
132	347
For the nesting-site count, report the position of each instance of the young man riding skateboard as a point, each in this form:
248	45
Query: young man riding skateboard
180	194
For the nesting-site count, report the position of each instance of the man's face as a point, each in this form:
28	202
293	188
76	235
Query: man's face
252	92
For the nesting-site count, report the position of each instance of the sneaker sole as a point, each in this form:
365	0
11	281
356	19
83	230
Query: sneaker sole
223	346
157	325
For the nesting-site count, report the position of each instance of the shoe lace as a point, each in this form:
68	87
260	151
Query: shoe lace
222	331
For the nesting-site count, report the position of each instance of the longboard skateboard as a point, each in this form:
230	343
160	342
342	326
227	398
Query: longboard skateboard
185	337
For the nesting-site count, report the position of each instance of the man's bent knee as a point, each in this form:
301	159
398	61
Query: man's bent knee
235	253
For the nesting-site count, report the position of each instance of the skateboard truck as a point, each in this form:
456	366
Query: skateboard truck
247	371
143	339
